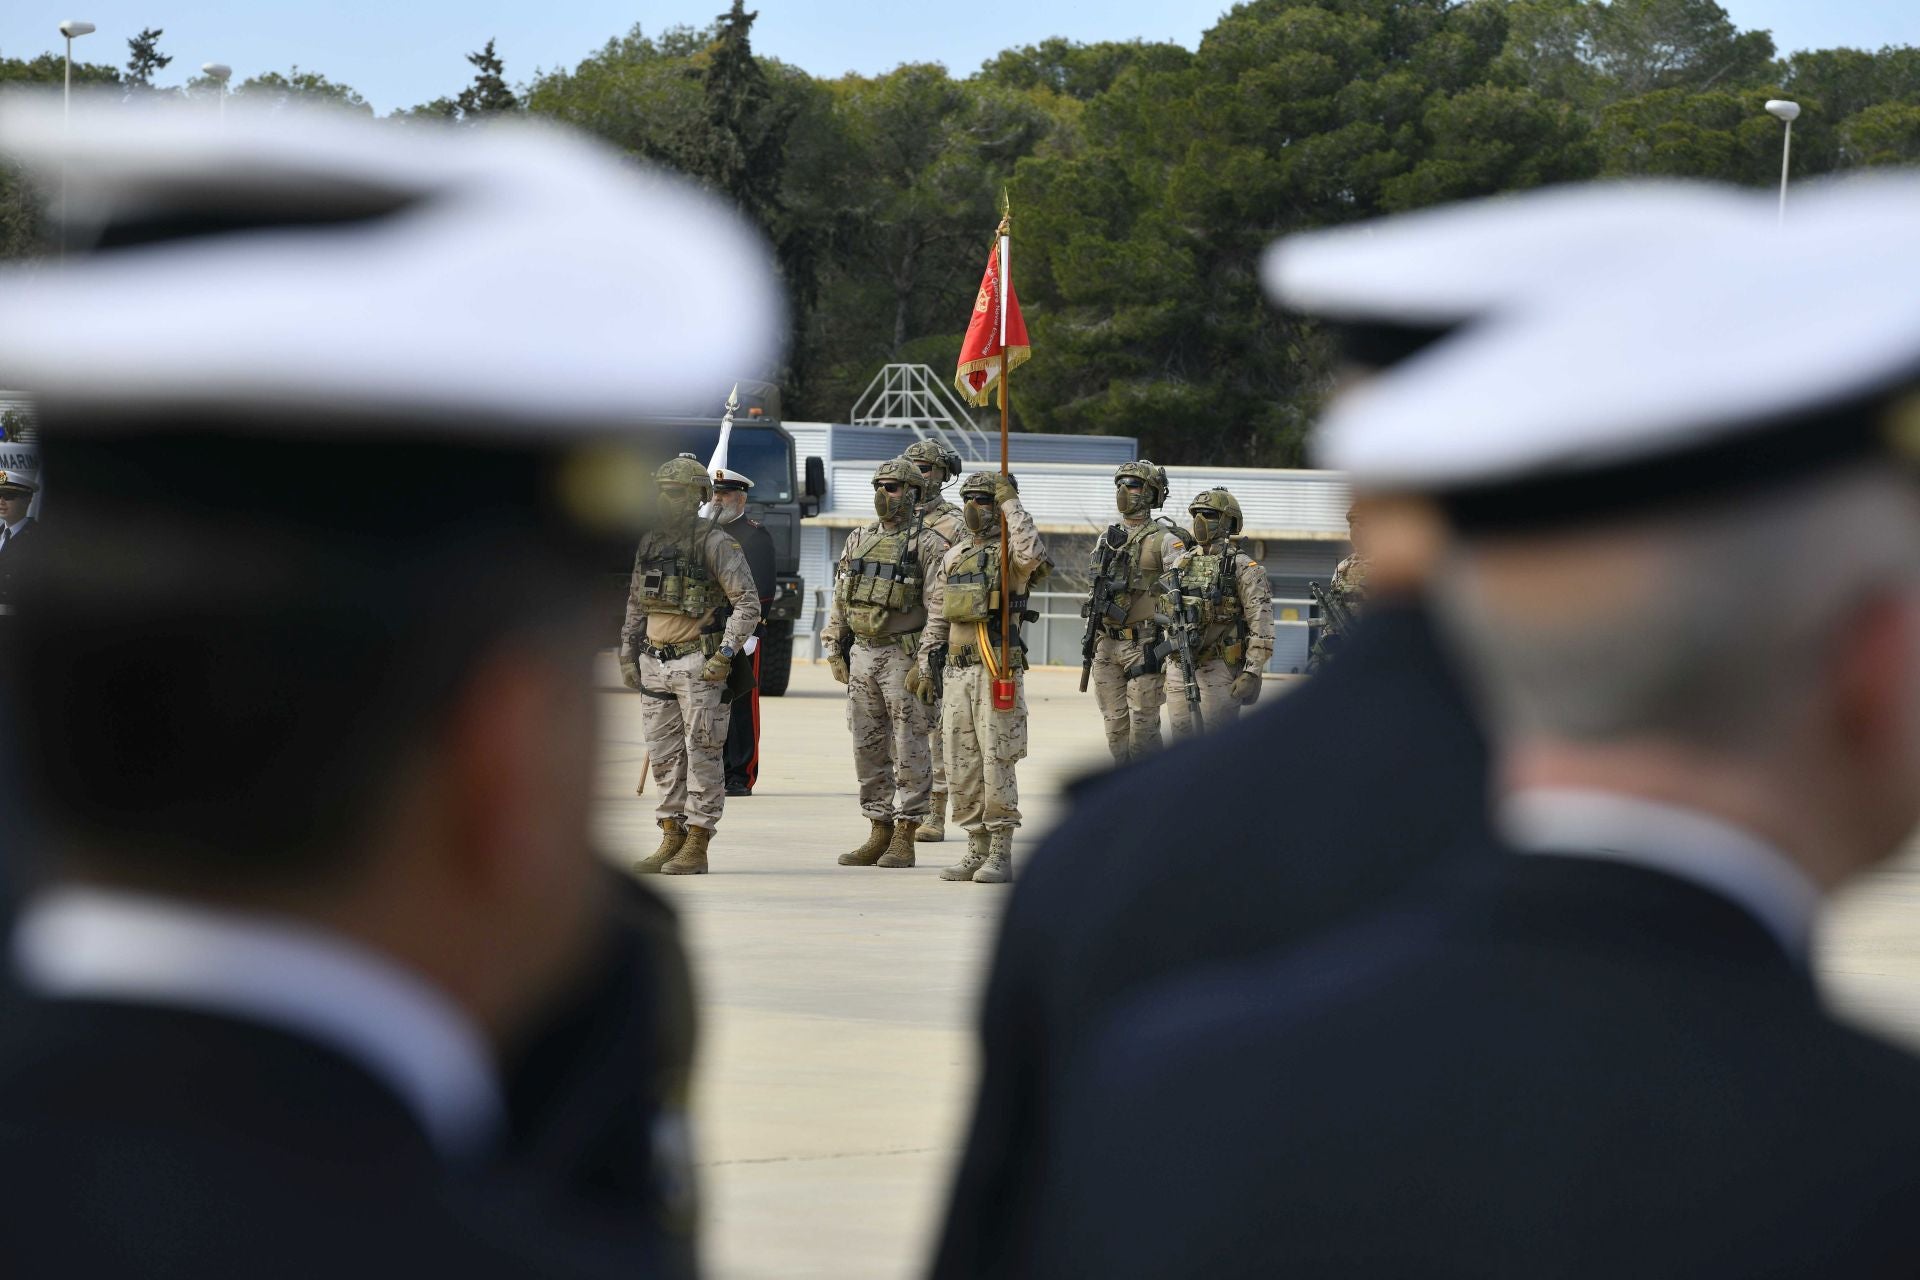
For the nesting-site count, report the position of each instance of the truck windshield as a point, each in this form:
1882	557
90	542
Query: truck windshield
760	454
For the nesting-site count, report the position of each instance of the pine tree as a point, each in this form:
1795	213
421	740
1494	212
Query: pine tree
144	60
488	95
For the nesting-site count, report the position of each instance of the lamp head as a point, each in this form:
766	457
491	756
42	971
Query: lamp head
1781	109
74	30
216	71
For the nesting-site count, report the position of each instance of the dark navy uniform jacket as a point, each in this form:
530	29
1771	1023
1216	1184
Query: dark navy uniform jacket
1569	1067
1299	818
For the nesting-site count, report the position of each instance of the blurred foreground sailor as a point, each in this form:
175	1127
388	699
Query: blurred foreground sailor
323	977
1596	1050
1377	763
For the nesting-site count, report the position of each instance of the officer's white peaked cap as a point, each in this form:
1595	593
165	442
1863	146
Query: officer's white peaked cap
1744	358
723	479
509	277
1440	267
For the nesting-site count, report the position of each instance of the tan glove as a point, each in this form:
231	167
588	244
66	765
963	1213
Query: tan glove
1005	488
1246	688
920	685
630	673
838	665
715	672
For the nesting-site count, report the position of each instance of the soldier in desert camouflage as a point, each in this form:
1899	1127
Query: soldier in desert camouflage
872	638
938	466
1219	595
983	744
691	605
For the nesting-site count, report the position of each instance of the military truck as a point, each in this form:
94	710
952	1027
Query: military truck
782	496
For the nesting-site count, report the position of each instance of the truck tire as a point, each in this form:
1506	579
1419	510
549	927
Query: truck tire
776	659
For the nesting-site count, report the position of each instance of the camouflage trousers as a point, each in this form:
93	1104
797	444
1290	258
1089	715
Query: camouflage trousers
983	746
1130	709
890	730
685	726
1217	706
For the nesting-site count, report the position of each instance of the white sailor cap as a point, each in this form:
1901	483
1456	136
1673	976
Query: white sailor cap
1743	359
17	480
1391	285
725	479
506	278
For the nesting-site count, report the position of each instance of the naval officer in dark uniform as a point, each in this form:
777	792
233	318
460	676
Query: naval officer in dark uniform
1377	763
322	976
731	493
1687	585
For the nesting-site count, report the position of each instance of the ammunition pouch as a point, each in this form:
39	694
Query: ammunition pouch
961	659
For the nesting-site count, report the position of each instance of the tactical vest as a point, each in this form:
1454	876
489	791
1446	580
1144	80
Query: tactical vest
882	576
973	586
1208	582
673	580
1137	568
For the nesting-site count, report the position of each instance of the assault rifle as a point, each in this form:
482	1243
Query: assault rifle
1181	621
1101	604
937	671
1331	609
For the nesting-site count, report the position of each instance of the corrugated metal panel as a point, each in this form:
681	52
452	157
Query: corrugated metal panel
816	571
810	440
1273	501
877	444
1311	560
1301	506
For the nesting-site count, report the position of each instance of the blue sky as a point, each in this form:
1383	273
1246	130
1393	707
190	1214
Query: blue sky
402	52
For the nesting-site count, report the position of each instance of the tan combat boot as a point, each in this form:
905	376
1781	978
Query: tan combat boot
934	829
869	853
998	868
976	854
900	849
692	858
673	834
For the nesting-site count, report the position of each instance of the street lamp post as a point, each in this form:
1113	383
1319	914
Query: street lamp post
1786	112
72	30
219	73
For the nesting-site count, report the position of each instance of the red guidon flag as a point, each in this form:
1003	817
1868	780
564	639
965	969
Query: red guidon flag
996	325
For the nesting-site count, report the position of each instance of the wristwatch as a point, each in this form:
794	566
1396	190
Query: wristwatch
726	651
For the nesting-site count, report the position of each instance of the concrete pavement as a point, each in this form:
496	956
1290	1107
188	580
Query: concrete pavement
836	1003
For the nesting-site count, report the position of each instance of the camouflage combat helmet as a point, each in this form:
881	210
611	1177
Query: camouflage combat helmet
903	469
933	453
688	470
1221	506
1154	477
980	482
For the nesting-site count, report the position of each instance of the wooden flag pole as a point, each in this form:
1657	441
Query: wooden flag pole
1003	693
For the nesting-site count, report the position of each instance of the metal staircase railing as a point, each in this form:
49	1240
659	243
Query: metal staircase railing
914	397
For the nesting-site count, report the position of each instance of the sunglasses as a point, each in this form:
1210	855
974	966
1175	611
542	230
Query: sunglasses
888	486
926	468
980	499
1130	483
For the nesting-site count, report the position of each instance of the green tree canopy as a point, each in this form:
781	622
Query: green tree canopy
277	90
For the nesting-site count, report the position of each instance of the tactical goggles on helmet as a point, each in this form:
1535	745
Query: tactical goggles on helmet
981	499
888	486
1134	483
